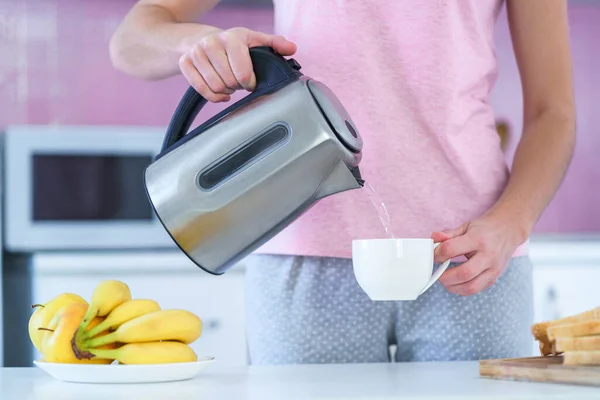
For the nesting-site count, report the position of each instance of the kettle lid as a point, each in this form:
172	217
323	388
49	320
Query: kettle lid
337	116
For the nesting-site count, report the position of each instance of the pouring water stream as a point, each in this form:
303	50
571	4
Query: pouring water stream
379	206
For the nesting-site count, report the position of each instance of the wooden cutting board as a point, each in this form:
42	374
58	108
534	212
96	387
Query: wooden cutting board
540	369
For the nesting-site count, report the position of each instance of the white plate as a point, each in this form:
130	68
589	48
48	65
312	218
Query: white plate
119	373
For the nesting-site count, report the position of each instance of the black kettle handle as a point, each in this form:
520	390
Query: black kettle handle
271	71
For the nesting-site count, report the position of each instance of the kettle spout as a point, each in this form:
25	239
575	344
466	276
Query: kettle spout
340	179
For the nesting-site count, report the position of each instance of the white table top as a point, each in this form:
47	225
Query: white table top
452	380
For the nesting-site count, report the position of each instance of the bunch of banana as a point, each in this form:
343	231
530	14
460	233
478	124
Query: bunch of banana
113	327
160	336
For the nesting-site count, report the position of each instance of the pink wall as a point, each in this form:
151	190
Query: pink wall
55	66
55	69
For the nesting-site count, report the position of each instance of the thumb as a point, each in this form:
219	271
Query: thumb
283	46
277	42
449	233
280	44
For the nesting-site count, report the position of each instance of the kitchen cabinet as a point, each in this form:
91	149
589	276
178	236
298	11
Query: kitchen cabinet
563	291
170	279
566	275
565	278
560	291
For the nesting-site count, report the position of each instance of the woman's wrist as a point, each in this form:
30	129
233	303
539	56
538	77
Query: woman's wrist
197	33
518	224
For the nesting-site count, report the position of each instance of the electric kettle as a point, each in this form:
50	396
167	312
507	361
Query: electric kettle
231	184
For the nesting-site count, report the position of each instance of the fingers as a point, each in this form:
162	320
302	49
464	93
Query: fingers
480	283
490	283
455	247
441	252
440	237
220	63
482	244
217	54
450	233
472	277
206	67
465	272
189	71
241	64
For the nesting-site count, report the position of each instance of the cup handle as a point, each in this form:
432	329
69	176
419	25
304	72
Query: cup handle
437	273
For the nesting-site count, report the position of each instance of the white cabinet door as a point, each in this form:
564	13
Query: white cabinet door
217	300
562	290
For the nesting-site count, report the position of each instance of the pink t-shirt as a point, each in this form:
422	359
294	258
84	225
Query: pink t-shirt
415	76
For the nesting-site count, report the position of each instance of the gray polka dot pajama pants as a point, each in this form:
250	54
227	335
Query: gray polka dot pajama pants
311	310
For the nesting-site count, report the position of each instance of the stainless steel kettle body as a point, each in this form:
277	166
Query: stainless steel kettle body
231	184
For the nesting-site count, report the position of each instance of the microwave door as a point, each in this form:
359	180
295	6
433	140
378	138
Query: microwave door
61	194
89	188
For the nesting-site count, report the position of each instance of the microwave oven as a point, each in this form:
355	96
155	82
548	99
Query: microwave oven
79	187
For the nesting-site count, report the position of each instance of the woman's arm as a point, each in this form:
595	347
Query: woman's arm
540	34
156	33
159	38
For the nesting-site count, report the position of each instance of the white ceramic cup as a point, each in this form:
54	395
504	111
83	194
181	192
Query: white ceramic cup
395	269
